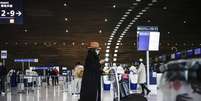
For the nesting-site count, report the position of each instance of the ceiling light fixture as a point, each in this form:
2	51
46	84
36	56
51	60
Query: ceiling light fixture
150	4
154	1
65	4
114	64
165	8
138	0
82	43
138	16
141	13
133	21
116	27
66	19
127	13
25	30
135	4
106	64
129	10
120	23
109	41
106	20
106	59
100	31
123	18
144	10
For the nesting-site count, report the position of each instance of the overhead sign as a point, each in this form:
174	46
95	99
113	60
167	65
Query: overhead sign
3	54
148	38
39	68
11	12
26	60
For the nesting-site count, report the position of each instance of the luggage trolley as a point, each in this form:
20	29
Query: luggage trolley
118	90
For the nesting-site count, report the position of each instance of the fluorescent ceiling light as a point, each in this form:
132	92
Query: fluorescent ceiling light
129	10
107	55
115	51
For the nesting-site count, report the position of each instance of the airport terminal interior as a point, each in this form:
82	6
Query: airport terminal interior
100	50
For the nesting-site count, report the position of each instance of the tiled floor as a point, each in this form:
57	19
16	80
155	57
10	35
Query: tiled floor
57	93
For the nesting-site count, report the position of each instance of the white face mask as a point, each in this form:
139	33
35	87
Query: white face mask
97	51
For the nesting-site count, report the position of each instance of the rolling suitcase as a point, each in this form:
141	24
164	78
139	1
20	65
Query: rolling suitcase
126	96
121	90
134	97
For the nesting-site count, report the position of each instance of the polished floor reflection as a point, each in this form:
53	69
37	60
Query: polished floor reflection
56	93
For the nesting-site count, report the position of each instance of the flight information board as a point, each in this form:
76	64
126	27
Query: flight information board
148	38
11	12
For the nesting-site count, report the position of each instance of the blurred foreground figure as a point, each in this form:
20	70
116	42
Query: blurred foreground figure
181	80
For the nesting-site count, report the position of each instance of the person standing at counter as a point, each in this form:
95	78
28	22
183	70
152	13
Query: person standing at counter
91	81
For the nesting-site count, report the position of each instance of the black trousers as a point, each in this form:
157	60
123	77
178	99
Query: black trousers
2	84
144	88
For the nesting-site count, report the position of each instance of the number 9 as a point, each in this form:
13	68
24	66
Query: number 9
12	13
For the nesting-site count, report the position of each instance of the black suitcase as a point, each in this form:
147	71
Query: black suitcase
121	90
134	97
126	96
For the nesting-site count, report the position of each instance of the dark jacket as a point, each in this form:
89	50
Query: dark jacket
91	86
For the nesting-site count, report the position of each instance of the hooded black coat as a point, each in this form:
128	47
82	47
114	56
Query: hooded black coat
91	86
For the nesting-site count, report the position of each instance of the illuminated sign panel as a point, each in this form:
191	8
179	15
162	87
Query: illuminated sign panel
11	12
3	54
148	38
26	60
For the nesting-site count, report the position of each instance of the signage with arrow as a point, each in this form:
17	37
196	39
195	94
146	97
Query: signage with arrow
11	12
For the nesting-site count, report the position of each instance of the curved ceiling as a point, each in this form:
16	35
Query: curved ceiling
58	32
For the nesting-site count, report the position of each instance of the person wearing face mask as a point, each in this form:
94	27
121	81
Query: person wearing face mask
91	80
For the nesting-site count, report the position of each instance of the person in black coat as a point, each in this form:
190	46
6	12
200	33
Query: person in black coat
91	85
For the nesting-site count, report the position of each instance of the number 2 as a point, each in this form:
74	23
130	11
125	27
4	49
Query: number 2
3	13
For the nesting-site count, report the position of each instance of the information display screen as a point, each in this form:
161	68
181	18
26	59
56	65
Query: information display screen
197	51
143	41
178	55
189	53
148	38
11	12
